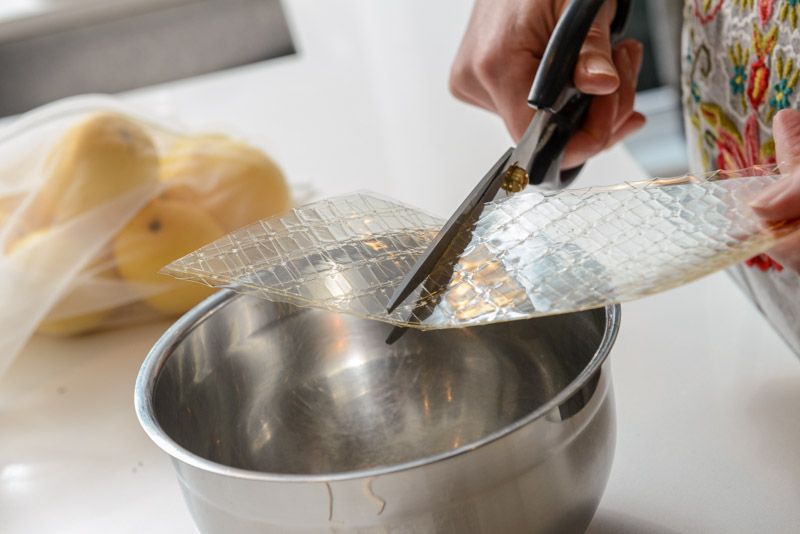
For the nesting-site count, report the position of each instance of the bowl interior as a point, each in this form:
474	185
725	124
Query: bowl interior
274	388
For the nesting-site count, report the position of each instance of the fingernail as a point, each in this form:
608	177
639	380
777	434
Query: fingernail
599	65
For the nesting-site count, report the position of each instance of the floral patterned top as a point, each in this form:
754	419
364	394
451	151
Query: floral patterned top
741	63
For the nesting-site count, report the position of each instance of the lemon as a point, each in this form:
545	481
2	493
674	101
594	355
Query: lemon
163	231
97	160
233	182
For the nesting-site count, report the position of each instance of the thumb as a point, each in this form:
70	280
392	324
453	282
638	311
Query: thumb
781	200
595	72
786	130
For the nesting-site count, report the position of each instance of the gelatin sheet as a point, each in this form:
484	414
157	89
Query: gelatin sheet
530	254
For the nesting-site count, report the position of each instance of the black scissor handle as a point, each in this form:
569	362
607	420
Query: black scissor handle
553	84
556	70
569	117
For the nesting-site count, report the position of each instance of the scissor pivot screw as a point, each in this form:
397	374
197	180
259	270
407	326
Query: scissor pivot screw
515	179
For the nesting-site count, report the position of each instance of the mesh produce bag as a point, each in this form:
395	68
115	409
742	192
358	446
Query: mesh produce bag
95	198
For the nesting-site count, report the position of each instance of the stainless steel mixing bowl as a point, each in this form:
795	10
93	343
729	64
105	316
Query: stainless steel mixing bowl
288	420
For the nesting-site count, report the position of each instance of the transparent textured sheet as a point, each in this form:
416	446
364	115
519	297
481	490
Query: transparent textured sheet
531	254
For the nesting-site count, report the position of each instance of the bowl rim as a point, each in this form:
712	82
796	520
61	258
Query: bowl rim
163	348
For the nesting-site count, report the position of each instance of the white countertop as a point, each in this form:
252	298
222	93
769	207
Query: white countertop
707	395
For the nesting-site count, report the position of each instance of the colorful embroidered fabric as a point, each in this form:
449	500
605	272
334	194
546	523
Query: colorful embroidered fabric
740	69
741	60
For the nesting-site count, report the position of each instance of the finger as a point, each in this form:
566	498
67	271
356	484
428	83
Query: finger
465	86
509	95
473	94
786	130
787	252
633	124
628	59
781	201
518	121
509	89
595	72
594	134
463	81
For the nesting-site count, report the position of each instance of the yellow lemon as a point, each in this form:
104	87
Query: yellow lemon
96	161
233	182
162	232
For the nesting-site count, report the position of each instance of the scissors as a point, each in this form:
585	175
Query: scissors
536	160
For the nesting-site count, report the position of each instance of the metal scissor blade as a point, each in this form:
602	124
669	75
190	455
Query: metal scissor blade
472	206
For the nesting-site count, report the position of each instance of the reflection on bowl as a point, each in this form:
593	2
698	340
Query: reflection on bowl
282	419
